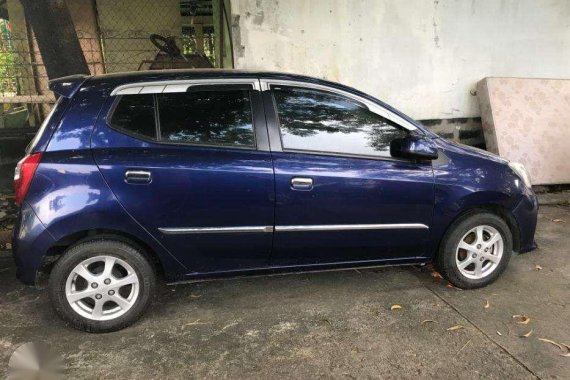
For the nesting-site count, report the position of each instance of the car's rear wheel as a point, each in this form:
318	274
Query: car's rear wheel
475	250
101	285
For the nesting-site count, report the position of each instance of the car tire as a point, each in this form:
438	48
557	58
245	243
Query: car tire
466	256
101	285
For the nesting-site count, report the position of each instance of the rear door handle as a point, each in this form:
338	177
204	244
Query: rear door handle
301	183
140	177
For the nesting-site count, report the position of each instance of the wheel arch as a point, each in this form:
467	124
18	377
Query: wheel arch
494	209
64	243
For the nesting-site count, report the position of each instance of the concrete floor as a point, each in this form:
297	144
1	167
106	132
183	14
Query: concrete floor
325	325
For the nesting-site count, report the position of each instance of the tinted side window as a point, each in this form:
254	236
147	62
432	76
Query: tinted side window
210	117
135	114
320	121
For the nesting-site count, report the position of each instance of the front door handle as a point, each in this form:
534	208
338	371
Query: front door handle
140	177
301	183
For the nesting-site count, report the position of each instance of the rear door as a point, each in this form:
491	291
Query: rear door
189	161
340	196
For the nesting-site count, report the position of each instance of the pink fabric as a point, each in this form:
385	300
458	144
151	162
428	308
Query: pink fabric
528	121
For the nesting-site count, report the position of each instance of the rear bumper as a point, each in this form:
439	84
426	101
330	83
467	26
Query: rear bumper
526	214
30	242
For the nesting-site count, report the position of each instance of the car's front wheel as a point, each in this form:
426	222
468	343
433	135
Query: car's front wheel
475	250
101	285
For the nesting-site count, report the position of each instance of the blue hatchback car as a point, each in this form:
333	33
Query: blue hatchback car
200	174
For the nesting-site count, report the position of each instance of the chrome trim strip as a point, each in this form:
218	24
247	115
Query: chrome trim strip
170	86
347	227
215	230
373	107
152	89
303	228
133	90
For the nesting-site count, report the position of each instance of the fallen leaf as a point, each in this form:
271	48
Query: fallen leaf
568	348
562	346
428	321
456	327
395	307
487	305
499	333
552	342
197	322
435	274
465	345
558	220
195	295
526	335
521	319
450	286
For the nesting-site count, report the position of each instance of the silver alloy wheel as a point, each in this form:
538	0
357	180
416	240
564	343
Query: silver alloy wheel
479	252
102	288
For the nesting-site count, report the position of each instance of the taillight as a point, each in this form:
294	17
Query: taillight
23	175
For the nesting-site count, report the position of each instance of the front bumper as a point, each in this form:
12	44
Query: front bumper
30	242
526	214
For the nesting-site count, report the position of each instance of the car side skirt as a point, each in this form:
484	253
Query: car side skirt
297	269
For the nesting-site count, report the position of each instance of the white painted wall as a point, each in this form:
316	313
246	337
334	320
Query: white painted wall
423	57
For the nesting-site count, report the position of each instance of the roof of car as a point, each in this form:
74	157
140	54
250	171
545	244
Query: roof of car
200	73
116	79
113	80
152	75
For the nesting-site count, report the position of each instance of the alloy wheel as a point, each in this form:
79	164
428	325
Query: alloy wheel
479	252
102	288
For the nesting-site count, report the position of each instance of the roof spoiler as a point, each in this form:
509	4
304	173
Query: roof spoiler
67	86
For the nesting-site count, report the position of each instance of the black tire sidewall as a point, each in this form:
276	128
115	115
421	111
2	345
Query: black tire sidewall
82	251
446	256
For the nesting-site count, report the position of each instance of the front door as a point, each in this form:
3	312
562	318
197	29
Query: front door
340	197
191	164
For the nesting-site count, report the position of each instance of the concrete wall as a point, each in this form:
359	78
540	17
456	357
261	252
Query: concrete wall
423	57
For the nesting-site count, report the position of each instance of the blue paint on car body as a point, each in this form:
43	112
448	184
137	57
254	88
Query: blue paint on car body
80	188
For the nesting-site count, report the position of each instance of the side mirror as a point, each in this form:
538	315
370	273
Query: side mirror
415	147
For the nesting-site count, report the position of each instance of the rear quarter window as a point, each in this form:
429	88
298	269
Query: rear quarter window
134	114
209	117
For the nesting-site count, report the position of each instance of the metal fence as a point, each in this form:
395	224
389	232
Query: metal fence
115	36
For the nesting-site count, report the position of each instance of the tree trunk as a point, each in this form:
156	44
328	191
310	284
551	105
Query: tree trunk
56	37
